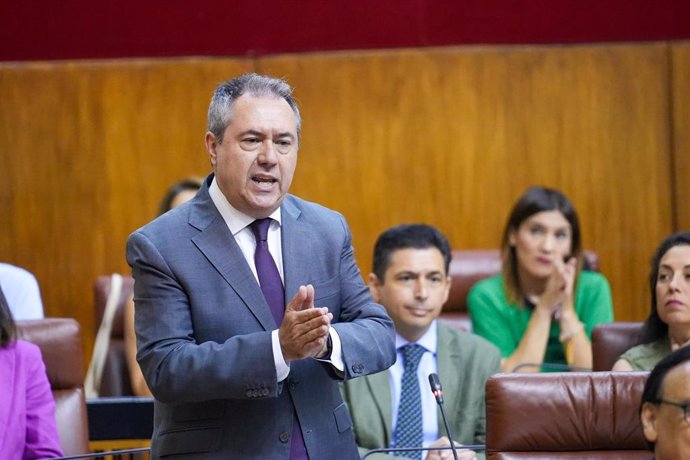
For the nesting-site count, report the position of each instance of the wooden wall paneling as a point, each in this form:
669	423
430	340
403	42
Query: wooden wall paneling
51	123
156	121
88	150
445	136
680	71
452	136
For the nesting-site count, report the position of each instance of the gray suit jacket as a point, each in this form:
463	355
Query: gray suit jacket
204	335
465	362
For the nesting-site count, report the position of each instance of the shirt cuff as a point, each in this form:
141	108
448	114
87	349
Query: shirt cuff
336	357
282	368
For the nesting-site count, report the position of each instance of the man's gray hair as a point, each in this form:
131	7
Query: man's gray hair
220	109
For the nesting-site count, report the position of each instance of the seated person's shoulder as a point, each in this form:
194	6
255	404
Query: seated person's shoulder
645	356
490	284
14	272
16	277
472	345
26	352
589	279
489	291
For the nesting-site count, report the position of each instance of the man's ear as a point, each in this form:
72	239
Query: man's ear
374	283
211	145
648	419
449	280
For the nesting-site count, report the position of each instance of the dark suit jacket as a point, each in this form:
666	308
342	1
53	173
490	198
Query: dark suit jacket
204	334
465	362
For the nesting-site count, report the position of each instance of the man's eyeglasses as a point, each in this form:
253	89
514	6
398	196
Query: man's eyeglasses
683	406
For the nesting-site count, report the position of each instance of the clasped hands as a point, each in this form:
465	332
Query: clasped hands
558	295
304	330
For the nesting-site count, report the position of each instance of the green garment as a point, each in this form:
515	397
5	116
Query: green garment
504	325
644	357
464	362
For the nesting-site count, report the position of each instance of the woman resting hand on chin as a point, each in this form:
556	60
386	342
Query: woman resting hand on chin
542	308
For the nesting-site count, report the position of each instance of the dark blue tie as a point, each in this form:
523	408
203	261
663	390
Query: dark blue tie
267	272
274	293
408	428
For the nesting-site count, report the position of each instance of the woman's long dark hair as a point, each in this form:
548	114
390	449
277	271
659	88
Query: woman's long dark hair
8	330
654	328
535	200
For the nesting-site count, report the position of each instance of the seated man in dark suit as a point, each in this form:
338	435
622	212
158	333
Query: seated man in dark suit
411	280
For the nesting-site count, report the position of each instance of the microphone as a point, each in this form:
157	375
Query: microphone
437	390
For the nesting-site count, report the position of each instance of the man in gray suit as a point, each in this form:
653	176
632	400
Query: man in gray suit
410	278
249	304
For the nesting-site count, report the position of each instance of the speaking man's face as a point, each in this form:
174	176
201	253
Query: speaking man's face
256	161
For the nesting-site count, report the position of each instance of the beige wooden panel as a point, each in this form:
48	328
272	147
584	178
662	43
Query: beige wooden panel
452	136
87	150
680	58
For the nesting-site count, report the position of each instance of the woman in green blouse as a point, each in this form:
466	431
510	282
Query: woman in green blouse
542	308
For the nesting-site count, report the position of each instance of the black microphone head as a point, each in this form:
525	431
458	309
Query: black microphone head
436	388
435	382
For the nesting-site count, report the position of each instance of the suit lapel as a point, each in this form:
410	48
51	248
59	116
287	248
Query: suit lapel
220	248
450	365
380	389
296	242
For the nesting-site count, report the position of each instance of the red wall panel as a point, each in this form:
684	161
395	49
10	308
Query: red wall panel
87	29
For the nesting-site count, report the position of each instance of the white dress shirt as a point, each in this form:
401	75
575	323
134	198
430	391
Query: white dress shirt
238	224
427	365
21	291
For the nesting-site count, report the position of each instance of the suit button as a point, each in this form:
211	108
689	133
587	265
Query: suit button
284	437
357	368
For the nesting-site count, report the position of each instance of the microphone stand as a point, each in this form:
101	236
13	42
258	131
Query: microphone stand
388	450
435	384
107	454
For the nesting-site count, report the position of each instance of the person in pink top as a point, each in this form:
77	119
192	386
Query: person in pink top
27	409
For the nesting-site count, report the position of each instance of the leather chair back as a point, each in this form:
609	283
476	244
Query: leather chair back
469	266
611	340
565	415
115	379
466	268
60	342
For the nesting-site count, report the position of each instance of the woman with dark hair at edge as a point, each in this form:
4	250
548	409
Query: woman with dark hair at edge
667	327
542	308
